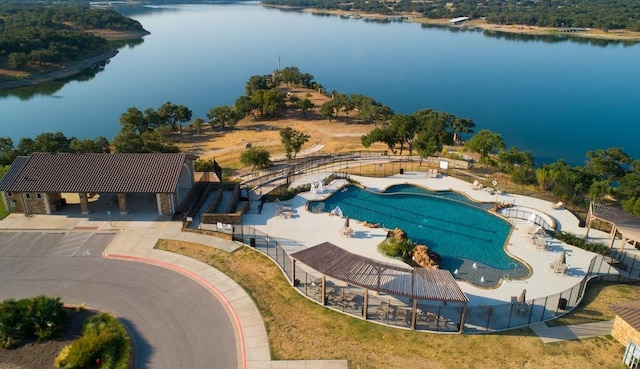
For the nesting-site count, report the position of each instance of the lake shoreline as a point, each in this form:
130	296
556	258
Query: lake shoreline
59	74
76	68
586	33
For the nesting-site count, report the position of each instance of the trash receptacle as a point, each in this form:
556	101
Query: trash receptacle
252	242
562	304
401	170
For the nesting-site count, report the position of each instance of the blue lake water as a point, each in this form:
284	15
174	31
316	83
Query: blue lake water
557	99
462	233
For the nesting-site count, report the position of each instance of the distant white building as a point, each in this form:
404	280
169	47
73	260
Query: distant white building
458	20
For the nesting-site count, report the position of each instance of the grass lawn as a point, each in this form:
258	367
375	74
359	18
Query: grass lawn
299	329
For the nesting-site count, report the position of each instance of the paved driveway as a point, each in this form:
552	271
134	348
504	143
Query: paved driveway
175	322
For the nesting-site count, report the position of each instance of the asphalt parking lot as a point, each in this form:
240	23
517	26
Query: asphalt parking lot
175	322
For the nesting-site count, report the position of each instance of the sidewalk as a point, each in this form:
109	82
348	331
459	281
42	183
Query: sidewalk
571	332
135	242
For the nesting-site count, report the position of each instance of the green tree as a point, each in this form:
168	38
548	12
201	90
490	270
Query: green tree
7	152
485	143
304	105
328	110
174	115
97	145
224	116
611	163
255	157
405	128
460	126
384	135
133	119
256	83
203	165
508	160
50	142
292	140
197	125
268	102
244	106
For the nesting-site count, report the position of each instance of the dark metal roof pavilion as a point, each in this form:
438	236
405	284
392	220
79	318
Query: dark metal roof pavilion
94	173
417	283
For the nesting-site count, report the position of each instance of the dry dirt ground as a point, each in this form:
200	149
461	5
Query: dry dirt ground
226	146
33	355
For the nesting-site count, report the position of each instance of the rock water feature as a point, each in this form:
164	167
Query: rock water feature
422	255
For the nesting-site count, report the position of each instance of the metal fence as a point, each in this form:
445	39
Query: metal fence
524	214
435	316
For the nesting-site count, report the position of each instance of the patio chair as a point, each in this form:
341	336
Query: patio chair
477	185
558	268
540	243
401	315
383	310
558	206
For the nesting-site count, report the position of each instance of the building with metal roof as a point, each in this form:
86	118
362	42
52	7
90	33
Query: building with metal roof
34	184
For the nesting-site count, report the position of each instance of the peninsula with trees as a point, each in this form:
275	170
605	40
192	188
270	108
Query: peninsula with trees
40	42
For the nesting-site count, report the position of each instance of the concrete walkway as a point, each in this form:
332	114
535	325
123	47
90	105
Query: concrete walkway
571	332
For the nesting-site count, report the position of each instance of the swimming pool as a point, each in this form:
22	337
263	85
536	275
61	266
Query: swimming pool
452	225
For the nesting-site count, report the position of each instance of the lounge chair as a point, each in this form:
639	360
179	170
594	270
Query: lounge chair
402	315
383	310
477	185
534	230
558	206
558	268
540	242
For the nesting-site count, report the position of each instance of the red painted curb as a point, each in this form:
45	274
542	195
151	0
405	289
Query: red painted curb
204	283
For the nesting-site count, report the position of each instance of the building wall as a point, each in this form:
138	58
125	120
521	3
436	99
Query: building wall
14	202
164	203
35	204
624	333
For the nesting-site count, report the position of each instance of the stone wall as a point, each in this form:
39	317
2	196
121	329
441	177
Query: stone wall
624	332
224	236
34	205
165	203
227	218
15	198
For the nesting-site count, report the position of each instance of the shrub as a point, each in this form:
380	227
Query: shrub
103	338
572	239
41	316
395	247
47	316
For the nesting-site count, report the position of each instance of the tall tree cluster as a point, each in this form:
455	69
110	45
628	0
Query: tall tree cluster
36	37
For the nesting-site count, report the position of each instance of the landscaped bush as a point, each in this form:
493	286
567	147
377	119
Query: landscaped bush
397	248
41	317
572	239
104	338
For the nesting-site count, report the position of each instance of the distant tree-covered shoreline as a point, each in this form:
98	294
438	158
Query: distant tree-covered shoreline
36	39
600	14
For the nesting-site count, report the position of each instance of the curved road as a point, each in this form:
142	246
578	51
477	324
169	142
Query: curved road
175	322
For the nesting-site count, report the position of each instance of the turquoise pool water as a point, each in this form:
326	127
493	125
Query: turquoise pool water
461	231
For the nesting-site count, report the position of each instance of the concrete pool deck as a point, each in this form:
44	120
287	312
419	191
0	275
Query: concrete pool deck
305	229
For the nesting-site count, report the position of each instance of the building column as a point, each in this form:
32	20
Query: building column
84	203
122	203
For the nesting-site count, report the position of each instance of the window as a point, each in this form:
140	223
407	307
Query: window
27	195
39	195
9	194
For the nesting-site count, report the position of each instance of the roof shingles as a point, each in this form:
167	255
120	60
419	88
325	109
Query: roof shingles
97	173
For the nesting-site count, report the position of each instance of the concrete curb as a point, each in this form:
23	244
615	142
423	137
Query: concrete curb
203	282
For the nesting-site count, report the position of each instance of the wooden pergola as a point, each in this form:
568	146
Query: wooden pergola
371	275
626	224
